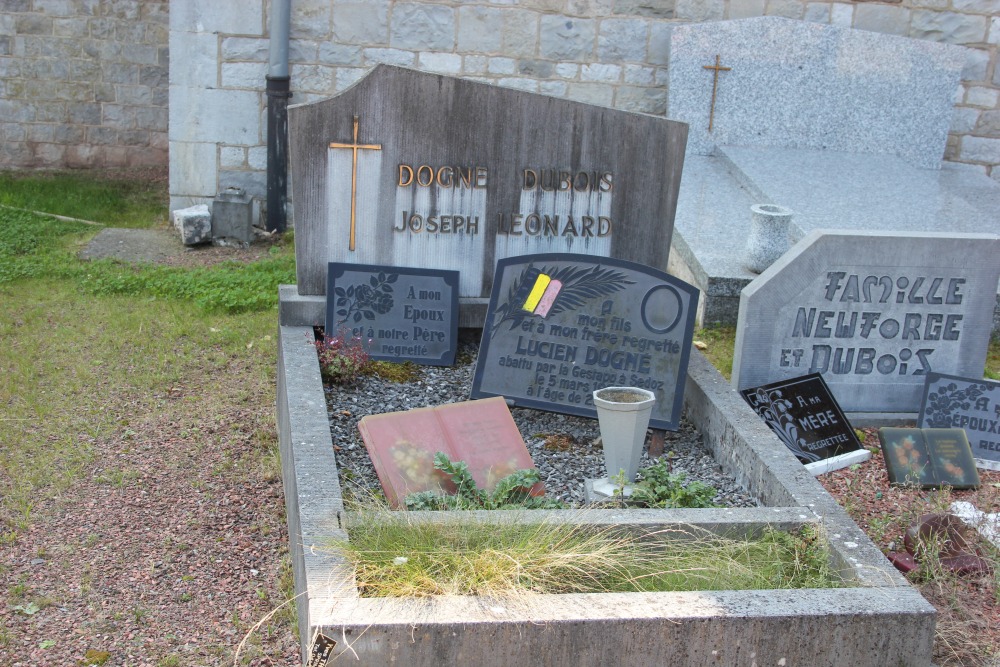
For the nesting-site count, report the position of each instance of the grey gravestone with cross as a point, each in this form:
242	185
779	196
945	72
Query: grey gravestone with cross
421	170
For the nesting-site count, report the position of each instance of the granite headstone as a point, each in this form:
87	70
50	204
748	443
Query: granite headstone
799	84
874	313
950	401
403	314
407	168
560	326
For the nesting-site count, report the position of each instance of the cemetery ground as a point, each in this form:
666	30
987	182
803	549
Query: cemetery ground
141	519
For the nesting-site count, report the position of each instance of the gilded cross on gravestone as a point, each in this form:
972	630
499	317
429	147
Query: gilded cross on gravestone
355	147
715	85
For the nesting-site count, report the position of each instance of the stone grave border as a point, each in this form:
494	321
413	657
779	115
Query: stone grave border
881	620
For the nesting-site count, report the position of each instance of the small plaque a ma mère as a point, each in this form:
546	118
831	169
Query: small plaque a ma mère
404	314
805	416
560	326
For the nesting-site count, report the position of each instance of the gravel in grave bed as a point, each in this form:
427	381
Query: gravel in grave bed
566	449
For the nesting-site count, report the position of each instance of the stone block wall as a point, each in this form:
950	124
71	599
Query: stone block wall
83	83
607	52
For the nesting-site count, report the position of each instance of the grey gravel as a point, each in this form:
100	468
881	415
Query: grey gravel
563	469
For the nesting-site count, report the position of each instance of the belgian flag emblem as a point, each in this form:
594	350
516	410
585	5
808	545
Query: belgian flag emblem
539	293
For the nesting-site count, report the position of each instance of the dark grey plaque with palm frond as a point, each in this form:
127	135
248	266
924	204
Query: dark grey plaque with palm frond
560	326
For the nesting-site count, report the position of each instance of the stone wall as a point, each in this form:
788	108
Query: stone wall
608	52
83	83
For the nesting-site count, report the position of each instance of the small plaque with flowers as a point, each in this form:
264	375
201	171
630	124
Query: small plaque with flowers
928	458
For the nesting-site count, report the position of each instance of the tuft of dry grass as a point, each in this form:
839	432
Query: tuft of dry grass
395	555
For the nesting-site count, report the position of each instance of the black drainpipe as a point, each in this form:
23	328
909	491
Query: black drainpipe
277	117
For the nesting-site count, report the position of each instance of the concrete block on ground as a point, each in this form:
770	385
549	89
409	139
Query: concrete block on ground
194	224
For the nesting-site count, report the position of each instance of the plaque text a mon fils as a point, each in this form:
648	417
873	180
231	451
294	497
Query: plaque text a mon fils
561	326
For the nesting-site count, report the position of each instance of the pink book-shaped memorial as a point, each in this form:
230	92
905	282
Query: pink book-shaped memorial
481	433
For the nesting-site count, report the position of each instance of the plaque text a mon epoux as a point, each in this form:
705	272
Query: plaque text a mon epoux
476	177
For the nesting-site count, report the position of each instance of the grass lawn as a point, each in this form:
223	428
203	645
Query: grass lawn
140	499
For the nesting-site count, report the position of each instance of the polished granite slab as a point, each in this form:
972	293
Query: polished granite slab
825	190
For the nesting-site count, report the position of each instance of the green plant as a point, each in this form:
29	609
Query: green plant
120	200
513	491
394	555
405	371
95	657
342	358
620	482
659	487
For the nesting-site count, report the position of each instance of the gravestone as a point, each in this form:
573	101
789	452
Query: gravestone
560	326
482	434
413	169
966	403
928	457
847	128
805	416
404	314
874	313
777	82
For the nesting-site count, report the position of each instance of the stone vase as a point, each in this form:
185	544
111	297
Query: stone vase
768	238
623	413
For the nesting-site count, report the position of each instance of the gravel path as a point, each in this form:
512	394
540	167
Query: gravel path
566	449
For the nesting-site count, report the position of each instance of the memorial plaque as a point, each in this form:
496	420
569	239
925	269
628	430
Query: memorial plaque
974	405
929	457
804	415
874	313
403	314
406	168
560	326
480	433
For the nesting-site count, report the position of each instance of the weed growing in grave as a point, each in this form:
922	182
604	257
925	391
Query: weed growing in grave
392	371
511	492
659	487
395	555
342	358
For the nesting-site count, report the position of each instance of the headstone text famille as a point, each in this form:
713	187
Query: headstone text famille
874	313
